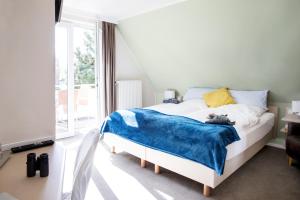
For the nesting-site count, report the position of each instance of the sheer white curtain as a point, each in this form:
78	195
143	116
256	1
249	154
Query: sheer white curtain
83	166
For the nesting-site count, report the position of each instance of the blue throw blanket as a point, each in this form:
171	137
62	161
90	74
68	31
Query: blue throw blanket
177	135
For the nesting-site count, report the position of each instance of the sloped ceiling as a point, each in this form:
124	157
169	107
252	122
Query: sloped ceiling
116	10
249	45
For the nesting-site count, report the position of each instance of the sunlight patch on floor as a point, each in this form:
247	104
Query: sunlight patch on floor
164	195
122	184
109	181
92	192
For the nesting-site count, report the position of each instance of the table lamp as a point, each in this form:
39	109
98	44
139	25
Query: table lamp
169	94
296	107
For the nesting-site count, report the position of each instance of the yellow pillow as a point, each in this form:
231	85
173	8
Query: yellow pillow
218	98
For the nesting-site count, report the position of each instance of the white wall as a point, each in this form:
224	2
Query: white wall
27	104
128	68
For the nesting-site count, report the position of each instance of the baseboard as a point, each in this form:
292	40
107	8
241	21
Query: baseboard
21	143
280	146
4	156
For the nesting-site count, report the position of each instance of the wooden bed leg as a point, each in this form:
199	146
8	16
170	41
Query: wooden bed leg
113	149
156	169
143	163
290	161
206	190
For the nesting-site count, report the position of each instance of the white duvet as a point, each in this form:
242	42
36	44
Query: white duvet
245	116
252	123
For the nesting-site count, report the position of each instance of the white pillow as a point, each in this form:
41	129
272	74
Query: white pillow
252	98
196	93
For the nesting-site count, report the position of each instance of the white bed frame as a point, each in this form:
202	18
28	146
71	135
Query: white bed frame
188	168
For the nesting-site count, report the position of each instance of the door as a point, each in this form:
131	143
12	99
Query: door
76	81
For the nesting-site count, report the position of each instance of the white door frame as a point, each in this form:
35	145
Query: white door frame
71	91
71	118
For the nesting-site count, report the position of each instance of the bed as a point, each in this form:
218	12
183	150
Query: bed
253	138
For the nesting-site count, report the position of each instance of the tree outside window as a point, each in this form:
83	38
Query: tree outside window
85	60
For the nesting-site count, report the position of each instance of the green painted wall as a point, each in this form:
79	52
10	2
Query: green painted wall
248	44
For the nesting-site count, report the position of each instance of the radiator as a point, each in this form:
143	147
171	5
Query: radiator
129	94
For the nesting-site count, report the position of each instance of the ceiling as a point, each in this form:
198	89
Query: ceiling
115	10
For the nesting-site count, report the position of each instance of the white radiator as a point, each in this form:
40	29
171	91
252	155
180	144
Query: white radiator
129	94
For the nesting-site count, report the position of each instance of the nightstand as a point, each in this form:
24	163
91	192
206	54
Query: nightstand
288	113
290	119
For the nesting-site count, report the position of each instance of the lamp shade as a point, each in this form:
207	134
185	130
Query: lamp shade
169	94
296	106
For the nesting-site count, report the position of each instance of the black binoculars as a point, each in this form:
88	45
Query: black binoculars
40	163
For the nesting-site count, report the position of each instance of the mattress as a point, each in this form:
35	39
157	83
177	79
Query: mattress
251	135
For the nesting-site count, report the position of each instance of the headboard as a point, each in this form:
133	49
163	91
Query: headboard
274	110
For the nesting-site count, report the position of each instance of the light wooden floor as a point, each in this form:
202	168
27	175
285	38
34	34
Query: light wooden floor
120	176
13	179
